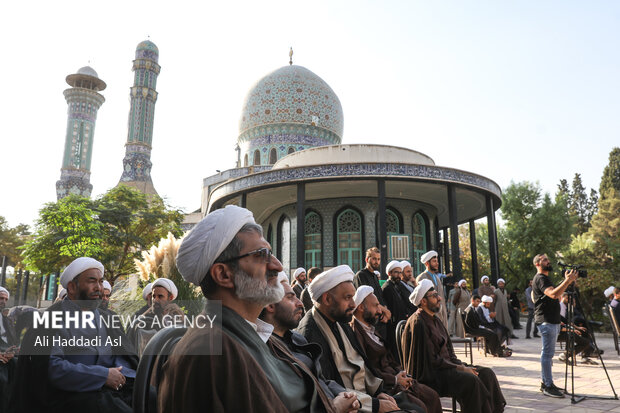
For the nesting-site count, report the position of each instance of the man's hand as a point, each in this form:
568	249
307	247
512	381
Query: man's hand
403	380
346	402
115	379
466	369
492	314
386	403
387	314
571	276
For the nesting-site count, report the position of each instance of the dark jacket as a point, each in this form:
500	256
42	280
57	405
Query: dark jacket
366	277
400	306
11	336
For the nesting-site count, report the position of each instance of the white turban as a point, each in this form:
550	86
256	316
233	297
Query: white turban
462	282
208	240
393	264
298	271
501	280
426	257
78	266
4	290
62	293
147	290
609	291
168	285
107	286
405	264
486	299
484	277
361	293
377	273
420	291
282	277
327	280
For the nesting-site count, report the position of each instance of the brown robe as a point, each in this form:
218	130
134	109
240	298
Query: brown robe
388	367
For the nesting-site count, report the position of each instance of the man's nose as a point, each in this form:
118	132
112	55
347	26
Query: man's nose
275	264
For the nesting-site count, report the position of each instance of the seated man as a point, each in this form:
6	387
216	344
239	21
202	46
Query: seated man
95	377
343	360
284	317
615	303
429	357
229	367
473	327
395	379
583	341
487	319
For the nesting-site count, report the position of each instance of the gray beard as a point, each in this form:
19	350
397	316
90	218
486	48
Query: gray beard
257	291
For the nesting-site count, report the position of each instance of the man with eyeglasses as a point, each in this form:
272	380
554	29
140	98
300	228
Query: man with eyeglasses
228	257
429	357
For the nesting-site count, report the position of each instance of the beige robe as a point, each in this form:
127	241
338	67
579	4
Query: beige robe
443	312
501	309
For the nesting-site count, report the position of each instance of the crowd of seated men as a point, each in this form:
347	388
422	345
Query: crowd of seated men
270	354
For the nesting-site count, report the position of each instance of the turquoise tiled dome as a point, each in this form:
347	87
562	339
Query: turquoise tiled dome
147	50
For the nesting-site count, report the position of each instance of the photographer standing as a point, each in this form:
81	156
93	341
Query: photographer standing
547	317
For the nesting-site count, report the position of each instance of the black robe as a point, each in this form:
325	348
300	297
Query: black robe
33	392
421	354
473	327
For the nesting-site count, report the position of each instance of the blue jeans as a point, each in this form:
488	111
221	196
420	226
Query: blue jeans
549	334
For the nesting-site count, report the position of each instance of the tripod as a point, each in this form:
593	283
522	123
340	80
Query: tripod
571	356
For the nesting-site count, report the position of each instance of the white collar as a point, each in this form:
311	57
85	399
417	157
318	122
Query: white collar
262	328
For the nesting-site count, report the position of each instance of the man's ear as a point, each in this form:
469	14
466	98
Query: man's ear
222	275
72	287
271	308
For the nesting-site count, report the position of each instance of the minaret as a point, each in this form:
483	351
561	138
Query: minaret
137	162
84	102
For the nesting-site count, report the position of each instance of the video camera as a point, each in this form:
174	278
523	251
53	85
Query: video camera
582	273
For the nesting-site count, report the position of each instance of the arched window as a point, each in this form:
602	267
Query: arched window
291	150
270	235
284	243
313	229
256	157
349	239
273	156
245	160
419	242
392	222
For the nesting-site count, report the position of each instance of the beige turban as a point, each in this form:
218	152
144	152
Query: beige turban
201	247
393	264
427	257
4	290
282	277
420	291
147	290
78	266
327	280
298	272
486	299
107	286
361	293
168	285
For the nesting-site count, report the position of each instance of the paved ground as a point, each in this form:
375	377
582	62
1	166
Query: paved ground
519	377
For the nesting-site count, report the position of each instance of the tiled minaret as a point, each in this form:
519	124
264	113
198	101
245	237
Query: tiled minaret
137	162
84	101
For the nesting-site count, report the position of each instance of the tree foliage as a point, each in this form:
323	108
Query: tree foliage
611	175
114	229
11	240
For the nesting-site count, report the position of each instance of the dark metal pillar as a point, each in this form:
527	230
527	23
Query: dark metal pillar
382	227
3	276
435	242
493	249
19	287
446	252
26	280
56	280
474	254
457	269
244	200
301	221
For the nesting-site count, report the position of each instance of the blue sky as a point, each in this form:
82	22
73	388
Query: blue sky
513	90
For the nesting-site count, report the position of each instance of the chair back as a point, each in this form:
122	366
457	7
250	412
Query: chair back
400	327
153	358
615	327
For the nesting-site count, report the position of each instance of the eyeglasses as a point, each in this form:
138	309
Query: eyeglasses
262	253
433	295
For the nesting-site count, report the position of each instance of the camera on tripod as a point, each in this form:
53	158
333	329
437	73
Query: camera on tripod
581	272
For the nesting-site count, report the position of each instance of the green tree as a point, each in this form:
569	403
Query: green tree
611	175
65	230
11	240
582	207
482	251
533	224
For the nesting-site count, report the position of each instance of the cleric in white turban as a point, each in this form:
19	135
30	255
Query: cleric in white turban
420	291
486	299
362	292
148	290
427	256
207	240
609	291
168	285
327	280
282	277
4	290
393	264
484	277
78	266
107	285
